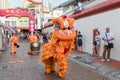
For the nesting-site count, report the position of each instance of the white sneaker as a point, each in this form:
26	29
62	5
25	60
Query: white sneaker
108	60
102	60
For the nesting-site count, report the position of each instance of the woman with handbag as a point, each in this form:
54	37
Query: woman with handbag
96	44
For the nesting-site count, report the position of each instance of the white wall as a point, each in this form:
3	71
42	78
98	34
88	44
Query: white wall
100	21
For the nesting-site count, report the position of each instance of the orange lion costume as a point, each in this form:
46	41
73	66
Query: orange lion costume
57	50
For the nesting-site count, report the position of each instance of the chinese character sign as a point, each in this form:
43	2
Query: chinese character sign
31	21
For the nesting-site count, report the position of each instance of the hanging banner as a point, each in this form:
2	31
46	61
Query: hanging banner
31	21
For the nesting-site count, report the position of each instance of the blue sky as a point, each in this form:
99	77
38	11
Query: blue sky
18	3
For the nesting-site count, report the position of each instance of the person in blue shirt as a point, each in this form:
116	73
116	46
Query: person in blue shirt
79	41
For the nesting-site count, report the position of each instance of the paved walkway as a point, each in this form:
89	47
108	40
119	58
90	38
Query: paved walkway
109	69
25	67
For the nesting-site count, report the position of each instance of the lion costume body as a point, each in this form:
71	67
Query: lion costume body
59	47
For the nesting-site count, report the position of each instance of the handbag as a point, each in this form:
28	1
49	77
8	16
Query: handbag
94	43
110	45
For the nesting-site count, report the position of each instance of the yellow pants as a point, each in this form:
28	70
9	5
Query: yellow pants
13	50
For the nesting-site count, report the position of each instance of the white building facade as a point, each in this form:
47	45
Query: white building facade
100	21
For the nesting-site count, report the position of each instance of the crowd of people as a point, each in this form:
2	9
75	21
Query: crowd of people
43	38
108	44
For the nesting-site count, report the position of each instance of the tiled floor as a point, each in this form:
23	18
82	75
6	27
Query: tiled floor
77	52
31	69
112	63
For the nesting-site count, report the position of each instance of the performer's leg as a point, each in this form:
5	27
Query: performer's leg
30	51
49	66
62	65
13	48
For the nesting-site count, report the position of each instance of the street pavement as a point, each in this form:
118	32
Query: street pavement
113	73
26	67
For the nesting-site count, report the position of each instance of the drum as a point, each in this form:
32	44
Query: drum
35	46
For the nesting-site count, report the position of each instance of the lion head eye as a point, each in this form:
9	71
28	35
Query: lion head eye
57	26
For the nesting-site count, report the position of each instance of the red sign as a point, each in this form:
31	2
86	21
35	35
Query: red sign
31	21
12	12
20	13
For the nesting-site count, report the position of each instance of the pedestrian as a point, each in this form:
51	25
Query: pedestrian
76	8
80	6
41	39
8	38
79	41
21	37
107	38
45	38
14	43
96	44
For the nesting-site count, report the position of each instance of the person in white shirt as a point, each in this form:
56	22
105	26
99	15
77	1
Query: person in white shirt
107	38
80	6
